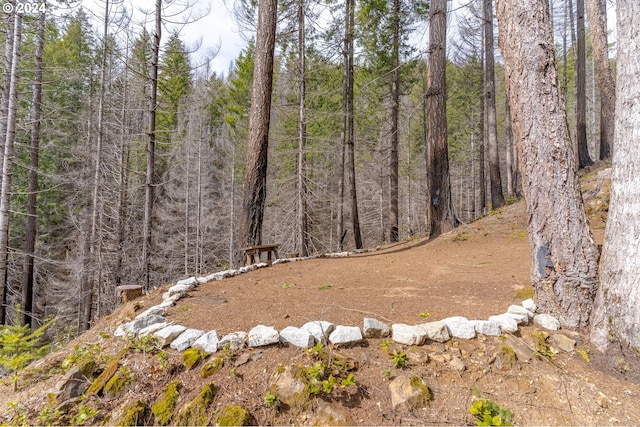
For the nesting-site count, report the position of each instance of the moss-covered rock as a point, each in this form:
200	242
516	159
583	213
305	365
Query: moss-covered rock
118	383
234	415
165	406
191	357
96	387
290	384
195	412
134	414
409	393
211	367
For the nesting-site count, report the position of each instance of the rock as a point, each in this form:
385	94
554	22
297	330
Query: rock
374	328
417	356
297	337
518	309
603	400
530	305
207	279
563	342
522	350
436	331
345	335
262	335
331	414
457	364
507	323
166	304
179	289
153	328
235	341
320	329
521	319
486	327
409	393
460	327
71	386
185	339
135	326
546	321
207	342
171	297
289	387
167	335
234	415
156	309
191	281
407	334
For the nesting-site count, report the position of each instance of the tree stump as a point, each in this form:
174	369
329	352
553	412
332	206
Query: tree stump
129	292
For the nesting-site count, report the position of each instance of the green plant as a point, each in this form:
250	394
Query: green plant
271	399
399	359
85	413
328	371
18	414
325	287
488	413
49	415
144	344
425	314
525	292
163	358
288	285
385	344
80	355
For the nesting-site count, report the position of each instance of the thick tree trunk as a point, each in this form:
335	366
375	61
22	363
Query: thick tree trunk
7	160
255	178
581	91
482	185
616	313
495	180
32	198
441	205
4	103
564	255
603	75
151	151
395	114
303	226
509	151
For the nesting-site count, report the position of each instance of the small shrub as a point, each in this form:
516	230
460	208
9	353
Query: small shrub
488	413
271	399
399	359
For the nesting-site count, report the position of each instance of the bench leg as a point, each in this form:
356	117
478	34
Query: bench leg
269	258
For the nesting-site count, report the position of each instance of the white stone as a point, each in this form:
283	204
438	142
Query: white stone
486	327
530	305
408	334
206	279
235	341
460	327
166	304
262	335
136	325
345	335
507	323
521	319
153	328
373	328
185	339
207	342
547	321
168	334
296	336
518	309
227	273
436	331
320	329
156	309
179	289
191	281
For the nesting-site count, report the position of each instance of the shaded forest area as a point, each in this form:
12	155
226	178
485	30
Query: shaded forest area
124	155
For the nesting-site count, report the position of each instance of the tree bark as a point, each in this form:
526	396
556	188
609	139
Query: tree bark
4	104
581	90
441	204
564	255
7	160
495	180
482	184
616	314
303	226
151	150
395	114
255	179
32	197
603	75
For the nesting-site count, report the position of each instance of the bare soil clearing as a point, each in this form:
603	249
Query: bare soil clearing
474	271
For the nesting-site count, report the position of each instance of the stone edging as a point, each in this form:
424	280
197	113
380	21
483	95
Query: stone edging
178	337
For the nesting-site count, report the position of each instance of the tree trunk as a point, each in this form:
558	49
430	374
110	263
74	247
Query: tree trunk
603	75
7	160
441	205
32	197
123	179
395	113
509	151
4	104
616	313
495	181
303	227
581	91
482	186
255	179
563	253
151	150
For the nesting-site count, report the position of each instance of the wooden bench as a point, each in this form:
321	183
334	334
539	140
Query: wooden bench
252	253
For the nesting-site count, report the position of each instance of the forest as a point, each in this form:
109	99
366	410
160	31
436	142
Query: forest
126	160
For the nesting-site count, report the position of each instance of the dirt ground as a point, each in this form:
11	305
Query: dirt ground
474	271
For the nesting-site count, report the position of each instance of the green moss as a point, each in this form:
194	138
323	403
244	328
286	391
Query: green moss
134	414
525	293
117	384
99	383
234	416
194	413
165	406
211	367
192	357
540	340
423	399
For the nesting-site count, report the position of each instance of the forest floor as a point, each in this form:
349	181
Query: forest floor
475	271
